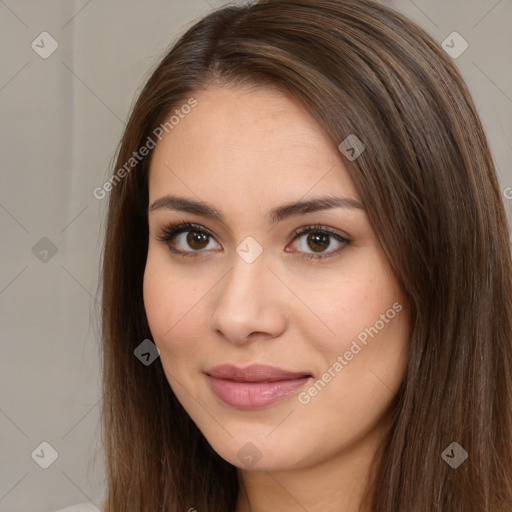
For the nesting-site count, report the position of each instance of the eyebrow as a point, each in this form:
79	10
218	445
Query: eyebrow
183	204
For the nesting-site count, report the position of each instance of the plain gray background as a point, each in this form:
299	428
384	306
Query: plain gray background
61	119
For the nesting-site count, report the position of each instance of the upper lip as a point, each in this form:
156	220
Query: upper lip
253	373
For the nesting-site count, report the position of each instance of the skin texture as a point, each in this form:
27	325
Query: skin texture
246	151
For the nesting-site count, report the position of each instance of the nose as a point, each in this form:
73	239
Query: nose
249	303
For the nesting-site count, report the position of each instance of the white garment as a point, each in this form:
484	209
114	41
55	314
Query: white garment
81	507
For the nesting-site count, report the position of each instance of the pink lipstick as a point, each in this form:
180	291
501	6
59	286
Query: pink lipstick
254	386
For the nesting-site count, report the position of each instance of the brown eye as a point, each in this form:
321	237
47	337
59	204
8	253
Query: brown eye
197	240
187	239
314	241
318	242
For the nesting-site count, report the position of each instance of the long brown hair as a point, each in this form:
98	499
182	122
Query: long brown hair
428	183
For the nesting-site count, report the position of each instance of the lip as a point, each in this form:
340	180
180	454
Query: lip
254	386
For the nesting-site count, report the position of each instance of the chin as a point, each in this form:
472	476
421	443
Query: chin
253	456
254	449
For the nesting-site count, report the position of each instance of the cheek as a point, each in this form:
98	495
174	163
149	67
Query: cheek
156	300
170	305
177	310
372	340
349	303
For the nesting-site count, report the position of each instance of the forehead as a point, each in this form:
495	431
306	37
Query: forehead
251	143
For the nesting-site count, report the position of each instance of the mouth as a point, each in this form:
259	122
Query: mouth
254	386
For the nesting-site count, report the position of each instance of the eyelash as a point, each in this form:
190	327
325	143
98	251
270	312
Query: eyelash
171	230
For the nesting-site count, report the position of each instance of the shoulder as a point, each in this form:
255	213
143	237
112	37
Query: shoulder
81	507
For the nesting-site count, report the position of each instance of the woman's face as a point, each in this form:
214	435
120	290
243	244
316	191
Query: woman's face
241	287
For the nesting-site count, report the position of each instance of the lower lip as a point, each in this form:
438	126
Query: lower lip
253	395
